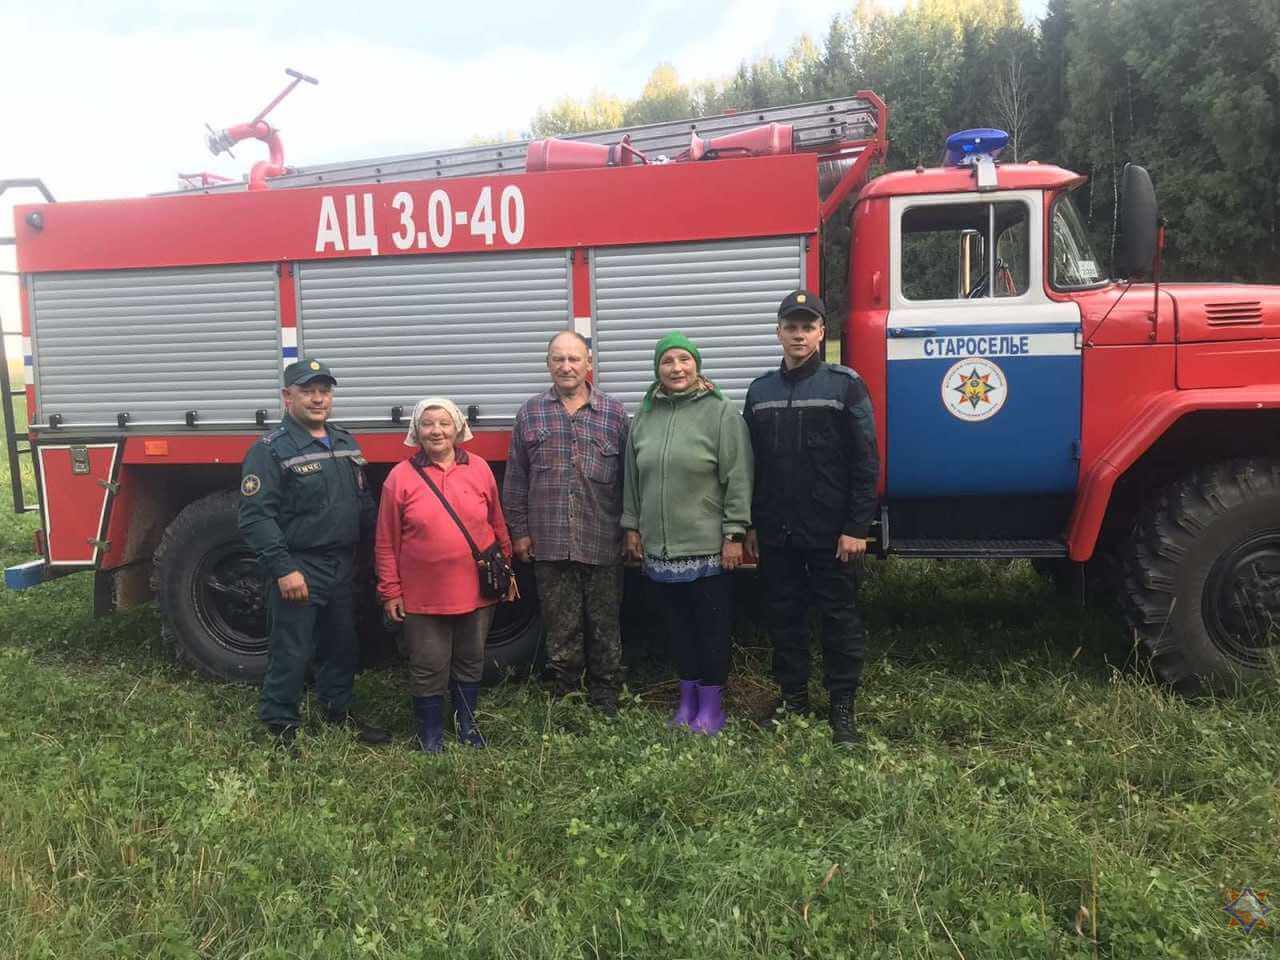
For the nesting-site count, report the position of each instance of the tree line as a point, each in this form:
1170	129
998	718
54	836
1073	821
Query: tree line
1191	90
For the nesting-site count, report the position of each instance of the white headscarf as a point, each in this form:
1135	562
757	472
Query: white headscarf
443	403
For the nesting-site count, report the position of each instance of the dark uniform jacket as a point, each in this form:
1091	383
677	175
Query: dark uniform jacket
815	448
304	506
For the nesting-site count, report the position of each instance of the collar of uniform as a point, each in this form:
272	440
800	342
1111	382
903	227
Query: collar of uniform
806	369
300	434
460	456
593	396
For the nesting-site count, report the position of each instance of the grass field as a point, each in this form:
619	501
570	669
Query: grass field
1023	792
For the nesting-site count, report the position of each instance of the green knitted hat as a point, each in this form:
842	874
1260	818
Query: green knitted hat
676	339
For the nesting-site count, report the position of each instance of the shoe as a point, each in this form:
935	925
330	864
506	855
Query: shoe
844	730
365	732
710	716
283	737
562	689
430	714
605	701
793	703
465	696
688	708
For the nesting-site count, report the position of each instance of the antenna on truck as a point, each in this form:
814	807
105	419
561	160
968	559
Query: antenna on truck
258	129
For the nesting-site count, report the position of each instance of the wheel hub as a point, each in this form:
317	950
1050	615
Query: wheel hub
230	599
1241	600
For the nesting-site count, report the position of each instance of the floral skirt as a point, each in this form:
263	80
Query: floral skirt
681	569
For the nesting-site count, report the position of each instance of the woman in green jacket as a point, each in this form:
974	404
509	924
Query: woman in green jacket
686	509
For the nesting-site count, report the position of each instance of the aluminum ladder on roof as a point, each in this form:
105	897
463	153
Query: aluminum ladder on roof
16	446
837	129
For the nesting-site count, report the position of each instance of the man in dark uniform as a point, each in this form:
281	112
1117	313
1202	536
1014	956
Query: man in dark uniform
304	506
815	497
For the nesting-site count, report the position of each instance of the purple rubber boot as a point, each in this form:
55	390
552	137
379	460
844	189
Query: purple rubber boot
710	716
688	708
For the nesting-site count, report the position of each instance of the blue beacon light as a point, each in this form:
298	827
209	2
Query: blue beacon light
965	146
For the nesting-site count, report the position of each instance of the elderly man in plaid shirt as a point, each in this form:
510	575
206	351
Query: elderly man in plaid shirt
562	495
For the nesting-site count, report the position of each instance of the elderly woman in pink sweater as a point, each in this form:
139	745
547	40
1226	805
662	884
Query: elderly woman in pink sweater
427	576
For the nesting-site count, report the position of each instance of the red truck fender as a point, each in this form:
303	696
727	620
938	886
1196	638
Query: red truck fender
1164	410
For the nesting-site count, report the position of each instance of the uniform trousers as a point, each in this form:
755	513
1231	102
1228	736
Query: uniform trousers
323	629
796	579
580	604
698	616
441	647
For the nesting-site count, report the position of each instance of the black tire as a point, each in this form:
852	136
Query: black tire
210	594
212	601
515	642
1202	577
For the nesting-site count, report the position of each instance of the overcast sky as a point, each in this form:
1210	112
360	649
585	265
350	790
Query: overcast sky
109	99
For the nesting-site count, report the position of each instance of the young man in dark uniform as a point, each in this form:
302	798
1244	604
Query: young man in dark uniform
304	506
815	497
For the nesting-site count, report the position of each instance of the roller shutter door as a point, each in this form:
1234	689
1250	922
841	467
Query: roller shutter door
471	328
723	294
155	344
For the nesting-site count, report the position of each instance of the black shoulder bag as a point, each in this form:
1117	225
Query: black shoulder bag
492	566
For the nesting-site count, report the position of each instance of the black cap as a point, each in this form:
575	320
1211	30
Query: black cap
802	301
304	371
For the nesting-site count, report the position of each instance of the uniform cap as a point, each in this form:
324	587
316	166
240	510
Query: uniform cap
304	371
802	301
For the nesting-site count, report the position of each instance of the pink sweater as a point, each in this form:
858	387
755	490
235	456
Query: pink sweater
420	553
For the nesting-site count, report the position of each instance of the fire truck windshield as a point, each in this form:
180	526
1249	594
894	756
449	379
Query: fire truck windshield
1072	263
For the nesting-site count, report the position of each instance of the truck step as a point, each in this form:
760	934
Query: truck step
977	549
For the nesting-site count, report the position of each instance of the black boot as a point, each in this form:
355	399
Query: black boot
283	737
604	699
365	732
430	714
465	696
844	730
792	703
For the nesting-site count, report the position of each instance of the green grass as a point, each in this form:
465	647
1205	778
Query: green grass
1016	769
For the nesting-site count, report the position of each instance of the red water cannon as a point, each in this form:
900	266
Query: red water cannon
258	129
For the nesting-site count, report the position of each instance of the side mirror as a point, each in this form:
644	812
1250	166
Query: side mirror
1139	222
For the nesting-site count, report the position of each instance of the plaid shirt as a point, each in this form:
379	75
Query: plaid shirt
563	484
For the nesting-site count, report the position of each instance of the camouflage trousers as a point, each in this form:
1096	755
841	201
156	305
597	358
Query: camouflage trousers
580	604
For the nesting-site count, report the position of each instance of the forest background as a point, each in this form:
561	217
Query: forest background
1190	90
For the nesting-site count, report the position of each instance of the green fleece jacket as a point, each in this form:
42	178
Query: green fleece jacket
688	475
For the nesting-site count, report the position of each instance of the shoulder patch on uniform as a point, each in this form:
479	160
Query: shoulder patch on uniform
250	485
274	435
845	370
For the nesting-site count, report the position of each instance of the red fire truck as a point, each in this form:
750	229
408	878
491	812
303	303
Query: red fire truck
1026	404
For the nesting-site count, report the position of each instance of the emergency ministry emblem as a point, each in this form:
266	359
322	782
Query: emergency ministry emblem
250	485
974	389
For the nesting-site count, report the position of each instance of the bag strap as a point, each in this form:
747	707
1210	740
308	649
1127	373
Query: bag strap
475	553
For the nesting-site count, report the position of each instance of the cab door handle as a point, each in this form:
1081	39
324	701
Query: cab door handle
912	332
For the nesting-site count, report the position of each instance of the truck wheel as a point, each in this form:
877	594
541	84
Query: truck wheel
1202	576
516	637
211	596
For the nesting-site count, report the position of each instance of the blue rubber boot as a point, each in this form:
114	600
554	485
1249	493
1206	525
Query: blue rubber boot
688	708
465	696
710	716
430	714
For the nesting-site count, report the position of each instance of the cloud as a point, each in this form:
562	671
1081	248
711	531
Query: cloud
123	114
